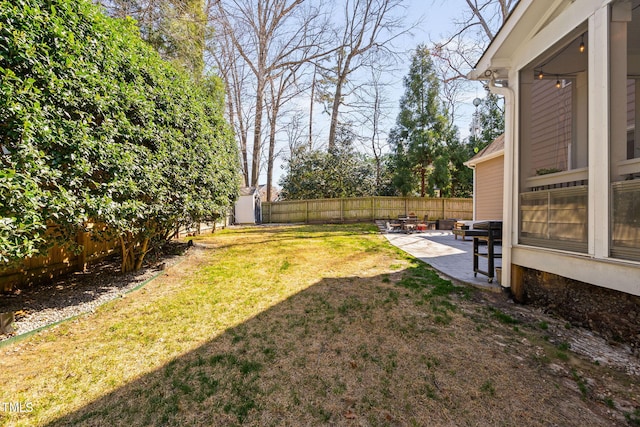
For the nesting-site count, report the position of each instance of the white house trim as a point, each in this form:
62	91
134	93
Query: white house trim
509	212
471	163
582	268
539	31
599	133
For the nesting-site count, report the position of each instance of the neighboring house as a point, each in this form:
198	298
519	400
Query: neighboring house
570	73
247	209
275	193
488	181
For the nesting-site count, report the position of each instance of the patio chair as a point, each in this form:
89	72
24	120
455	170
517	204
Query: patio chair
391	227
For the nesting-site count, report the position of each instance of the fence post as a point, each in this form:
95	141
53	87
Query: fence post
373	208
306	212
81	240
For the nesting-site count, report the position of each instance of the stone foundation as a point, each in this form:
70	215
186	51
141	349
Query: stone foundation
613	314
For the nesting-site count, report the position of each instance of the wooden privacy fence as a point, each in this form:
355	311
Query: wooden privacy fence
365	209
58	260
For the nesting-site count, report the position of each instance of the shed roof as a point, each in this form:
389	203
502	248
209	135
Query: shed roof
493	150
247	191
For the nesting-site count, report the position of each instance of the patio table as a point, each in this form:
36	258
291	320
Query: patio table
408	223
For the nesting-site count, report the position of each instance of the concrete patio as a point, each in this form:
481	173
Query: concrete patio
452	257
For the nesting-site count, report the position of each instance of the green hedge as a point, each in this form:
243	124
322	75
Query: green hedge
96	126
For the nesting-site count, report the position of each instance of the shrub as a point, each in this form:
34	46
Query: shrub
96	126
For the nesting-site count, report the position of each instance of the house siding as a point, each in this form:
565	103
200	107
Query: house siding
489	185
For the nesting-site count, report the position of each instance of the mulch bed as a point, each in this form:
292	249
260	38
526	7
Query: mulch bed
74	294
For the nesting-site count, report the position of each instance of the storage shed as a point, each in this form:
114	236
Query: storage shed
247	209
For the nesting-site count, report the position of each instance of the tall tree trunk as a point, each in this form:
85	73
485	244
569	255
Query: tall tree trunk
276	100
334	113
377	106
272	148
257	134
376	156
313	94
245	159
242	138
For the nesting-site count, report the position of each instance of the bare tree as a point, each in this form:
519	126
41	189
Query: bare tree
269	36
373	109
365	35
295	133
456	55
477	27
282	90
380	112
311	102
236	77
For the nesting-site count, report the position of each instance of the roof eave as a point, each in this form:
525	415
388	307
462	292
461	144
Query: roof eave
472	163
488	67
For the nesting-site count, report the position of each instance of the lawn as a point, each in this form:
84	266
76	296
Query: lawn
305	325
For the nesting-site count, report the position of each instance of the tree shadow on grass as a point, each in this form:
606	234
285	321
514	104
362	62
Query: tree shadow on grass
395	349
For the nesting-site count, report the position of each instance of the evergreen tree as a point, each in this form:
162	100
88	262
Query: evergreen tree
340	172
422	133
461	175
98	129
490	120
177	29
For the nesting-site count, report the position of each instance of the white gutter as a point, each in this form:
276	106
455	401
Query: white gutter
508	213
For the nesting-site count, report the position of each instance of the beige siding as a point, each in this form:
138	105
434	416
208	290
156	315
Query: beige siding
489	189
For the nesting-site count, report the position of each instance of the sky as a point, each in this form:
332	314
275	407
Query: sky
437	22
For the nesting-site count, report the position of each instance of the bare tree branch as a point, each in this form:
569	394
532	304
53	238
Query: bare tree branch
271	37
368	30
456	55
